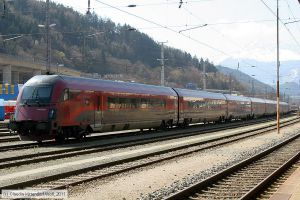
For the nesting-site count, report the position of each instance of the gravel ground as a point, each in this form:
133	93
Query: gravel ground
157	181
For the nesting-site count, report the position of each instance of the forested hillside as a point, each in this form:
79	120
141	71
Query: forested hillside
96	45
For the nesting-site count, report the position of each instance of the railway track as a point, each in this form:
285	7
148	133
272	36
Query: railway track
5	136
247	179
73	177
69	152
169	134
266	194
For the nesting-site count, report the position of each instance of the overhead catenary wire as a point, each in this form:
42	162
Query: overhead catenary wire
165	27
288	30
217	31
292	13
175	31
233	42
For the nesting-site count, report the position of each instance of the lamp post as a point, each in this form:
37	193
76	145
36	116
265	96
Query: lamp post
278	63
48	44
162	61
204	75
252	90
84	46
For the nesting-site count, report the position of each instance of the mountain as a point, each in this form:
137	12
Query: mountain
290	88
266	71
258	87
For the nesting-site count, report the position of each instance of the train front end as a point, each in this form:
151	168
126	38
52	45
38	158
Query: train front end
35	114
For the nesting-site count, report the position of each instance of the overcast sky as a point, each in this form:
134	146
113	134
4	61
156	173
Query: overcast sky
237	29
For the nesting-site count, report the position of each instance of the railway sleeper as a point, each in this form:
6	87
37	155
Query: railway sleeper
231	186
256	175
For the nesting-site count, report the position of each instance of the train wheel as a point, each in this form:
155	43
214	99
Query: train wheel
185	123
163	125
170	124
81	135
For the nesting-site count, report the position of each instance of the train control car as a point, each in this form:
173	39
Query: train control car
239	107
55	106
201	106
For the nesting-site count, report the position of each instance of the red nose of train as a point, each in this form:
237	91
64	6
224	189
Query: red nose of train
24	113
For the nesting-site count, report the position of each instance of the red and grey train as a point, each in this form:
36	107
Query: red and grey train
59	107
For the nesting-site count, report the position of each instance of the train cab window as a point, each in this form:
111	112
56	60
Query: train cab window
36	94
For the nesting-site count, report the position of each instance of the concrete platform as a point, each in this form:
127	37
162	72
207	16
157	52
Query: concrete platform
290	190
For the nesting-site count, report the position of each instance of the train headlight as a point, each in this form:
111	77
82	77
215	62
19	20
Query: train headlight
52	113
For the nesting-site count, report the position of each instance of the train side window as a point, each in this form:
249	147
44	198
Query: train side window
134	103
74	94
112	103
163	103
65	95
86	101
155	103
123	104
151	103
144	103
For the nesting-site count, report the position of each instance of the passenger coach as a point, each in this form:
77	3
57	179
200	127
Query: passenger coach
201	106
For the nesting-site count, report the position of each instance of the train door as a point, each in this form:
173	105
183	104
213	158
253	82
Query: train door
97	109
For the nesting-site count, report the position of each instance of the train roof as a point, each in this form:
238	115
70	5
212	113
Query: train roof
257	100
102	85
199	94
268	101
236	98
283	103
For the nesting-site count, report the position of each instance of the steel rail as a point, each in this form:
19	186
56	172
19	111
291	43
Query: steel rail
209	182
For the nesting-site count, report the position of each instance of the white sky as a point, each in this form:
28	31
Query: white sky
253	39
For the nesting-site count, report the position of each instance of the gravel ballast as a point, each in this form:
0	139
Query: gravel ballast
160	180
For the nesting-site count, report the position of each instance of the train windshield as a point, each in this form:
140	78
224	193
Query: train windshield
40	95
